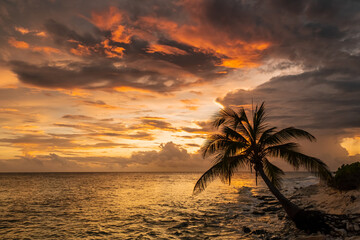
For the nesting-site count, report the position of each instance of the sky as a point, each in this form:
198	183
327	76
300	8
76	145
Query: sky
129	85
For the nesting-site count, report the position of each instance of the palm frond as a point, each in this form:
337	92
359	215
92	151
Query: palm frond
266	134
231	133
244	125
219	142
241	142
224	168
287	134
259	119
297	159
273	172
284	151
225	116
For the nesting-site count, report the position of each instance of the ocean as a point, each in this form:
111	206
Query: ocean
137	206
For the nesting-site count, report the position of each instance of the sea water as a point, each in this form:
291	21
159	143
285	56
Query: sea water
136	206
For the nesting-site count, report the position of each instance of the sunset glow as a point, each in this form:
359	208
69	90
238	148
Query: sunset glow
115	87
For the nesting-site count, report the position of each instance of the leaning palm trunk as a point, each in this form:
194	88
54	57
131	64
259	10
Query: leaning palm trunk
290	208
241	142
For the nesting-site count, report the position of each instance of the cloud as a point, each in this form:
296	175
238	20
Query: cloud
154	123
321	99
203	127
142	53
77	117
41	142
169	157
196	39
106	128
118	35
41	163
99	103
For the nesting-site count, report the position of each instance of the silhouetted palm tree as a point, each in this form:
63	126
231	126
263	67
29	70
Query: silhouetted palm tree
250	143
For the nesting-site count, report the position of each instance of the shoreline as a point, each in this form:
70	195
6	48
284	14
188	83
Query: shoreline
328	200
342	210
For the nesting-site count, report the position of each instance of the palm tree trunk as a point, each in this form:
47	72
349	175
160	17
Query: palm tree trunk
310	221
290	208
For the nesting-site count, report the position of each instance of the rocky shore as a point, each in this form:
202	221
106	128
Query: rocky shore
340	210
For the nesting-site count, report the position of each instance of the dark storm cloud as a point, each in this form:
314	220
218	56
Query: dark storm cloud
72	31
88	76
320	99
319	36
61	34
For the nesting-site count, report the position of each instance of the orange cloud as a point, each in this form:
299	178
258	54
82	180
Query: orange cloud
131	89
158	23
18	44
352	145
81	50
192	108
165	49
112	51
121	34
234	53
100	104
22	30
46	49
190	104
153	118
106	20
190	101
41	34
8	110
111	20
24	45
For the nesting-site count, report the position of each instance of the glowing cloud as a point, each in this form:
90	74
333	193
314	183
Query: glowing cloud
352	145
17	44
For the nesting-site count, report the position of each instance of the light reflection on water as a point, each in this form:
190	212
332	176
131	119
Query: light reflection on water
132	206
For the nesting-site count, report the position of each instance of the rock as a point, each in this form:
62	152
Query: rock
342	232
246	229
275	238
265	198
258	213
259	231
271	209
309	207
349	226
356	227
317	237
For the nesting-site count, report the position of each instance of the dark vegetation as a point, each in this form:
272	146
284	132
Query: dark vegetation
347	177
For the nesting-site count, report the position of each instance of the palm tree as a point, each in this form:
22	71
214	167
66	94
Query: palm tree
241	142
